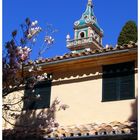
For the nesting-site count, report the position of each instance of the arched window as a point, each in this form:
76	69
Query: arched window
82	35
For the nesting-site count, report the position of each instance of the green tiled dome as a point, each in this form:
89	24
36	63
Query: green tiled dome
88	17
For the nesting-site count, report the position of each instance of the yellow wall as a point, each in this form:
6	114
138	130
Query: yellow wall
84	96
81	89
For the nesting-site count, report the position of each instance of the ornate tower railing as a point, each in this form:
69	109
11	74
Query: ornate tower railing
89	41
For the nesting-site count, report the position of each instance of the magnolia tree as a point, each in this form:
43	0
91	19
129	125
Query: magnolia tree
17	53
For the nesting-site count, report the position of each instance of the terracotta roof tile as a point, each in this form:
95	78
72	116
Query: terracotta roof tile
127	130
105	49
114	128
54	58
91	52
47	59
66	56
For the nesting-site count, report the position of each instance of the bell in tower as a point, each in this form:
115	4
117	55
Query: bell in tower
87	33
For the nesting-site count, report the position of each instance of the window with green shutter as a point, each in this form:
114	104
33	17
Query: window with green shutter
118	82
40	98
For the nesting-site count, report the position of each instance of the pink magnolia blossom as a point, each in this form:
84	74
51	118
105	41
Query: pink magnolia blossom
49	40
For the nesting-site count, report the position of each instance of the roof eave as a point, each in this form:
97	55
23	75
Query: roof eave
68	61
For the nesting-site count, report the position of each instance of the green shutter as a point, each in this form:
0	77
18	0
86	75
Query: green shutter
127	87
118	81
44	90
109	89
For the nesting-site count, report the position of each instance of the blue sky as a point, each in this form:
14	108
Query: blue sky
111	16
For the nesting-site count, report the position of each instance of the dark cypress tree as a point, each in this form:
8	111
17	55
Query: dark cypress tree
128	33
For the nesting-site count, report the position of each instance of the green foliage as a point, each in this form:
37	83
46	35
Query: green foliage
128	33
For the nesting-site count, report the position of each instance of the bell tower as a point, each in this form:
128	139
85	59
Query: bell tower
87	33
